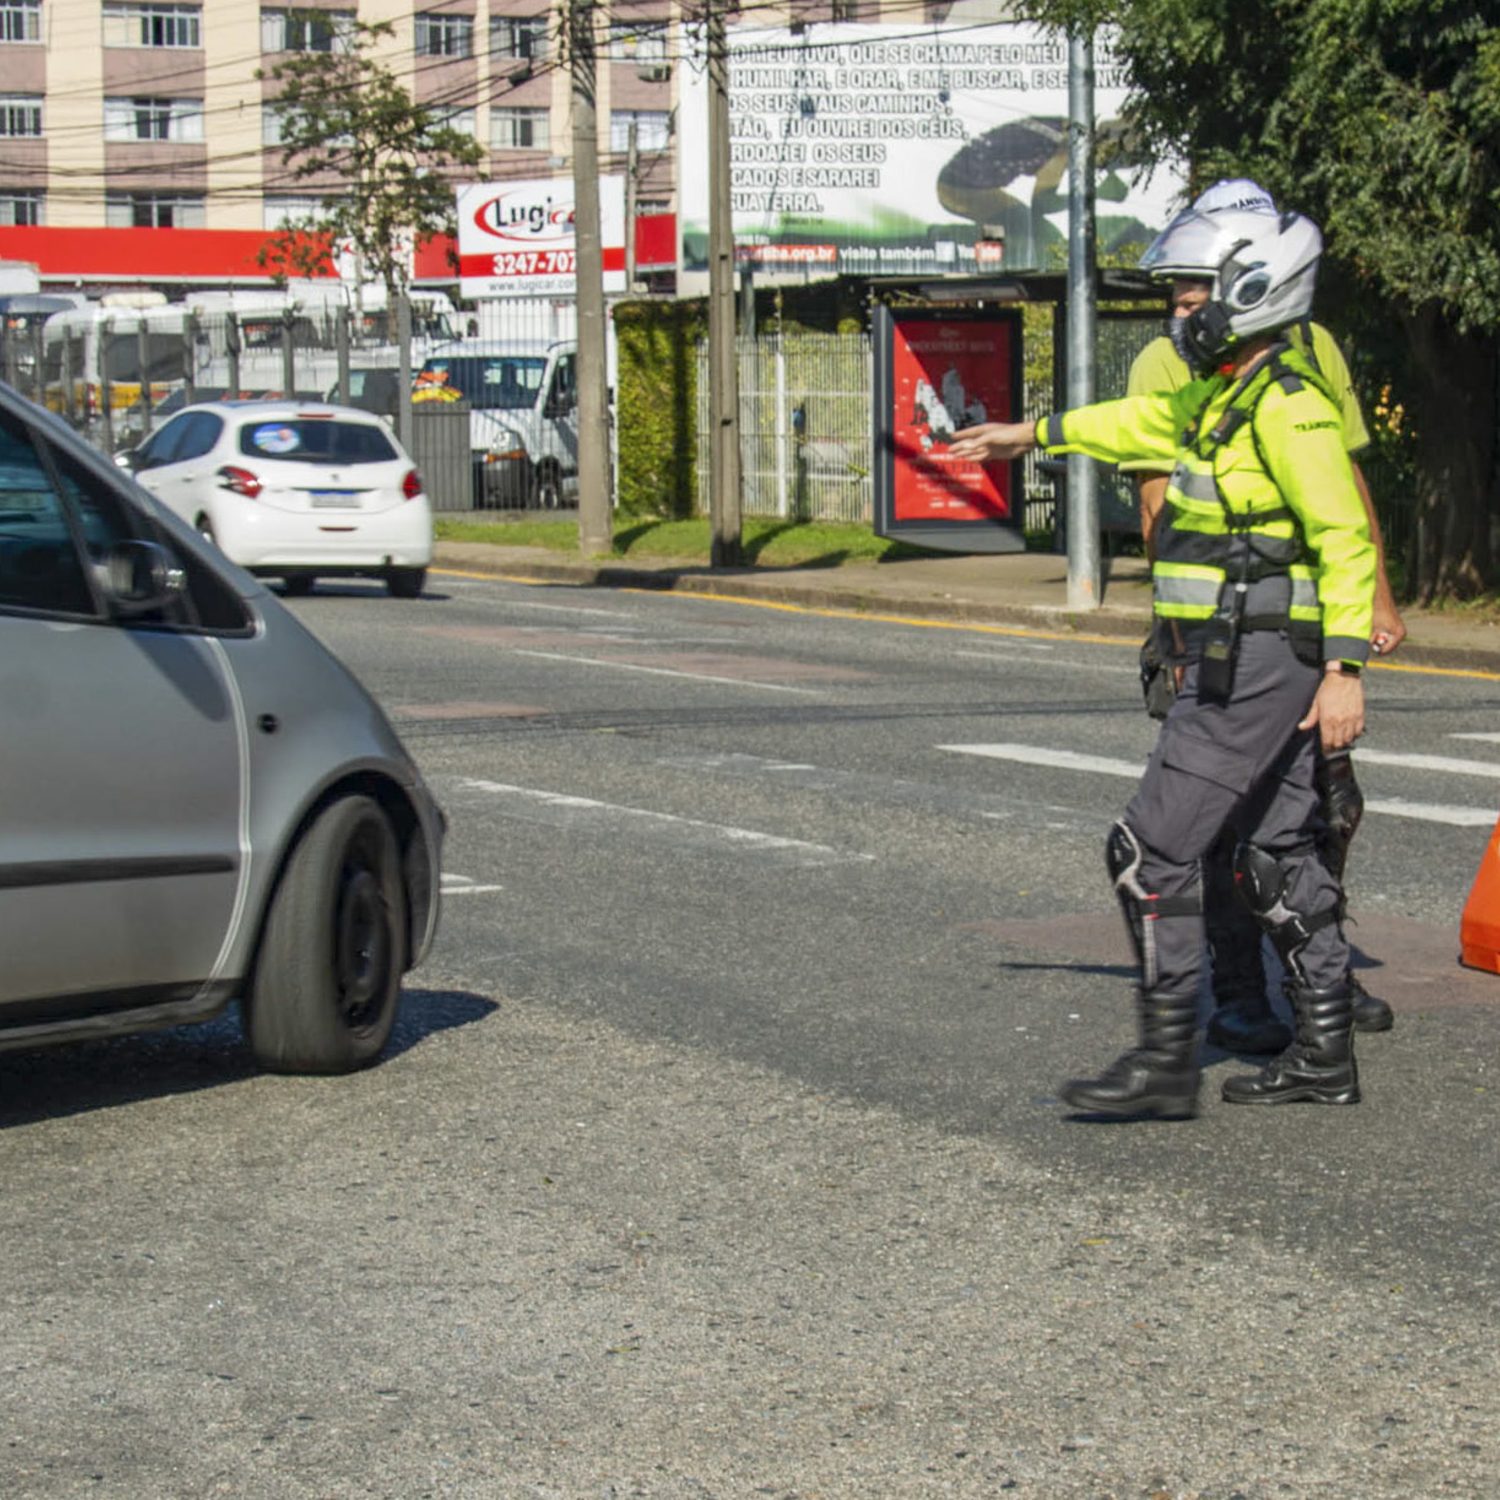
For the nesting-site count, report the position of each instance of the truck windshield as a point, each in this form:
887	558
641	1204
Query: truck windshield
506	381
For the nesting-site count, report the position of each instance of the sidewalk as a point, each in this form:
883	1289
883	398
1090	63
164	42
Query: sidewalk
1025	589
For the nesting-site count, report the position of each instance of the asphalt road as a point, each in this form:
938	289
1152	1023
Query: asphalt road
718	1153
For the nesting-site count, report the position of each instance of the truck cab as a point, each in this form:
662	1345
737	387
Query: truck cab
523	416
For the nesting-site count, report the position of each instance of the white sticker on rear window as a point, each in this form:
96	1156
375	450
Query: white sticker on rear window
276	438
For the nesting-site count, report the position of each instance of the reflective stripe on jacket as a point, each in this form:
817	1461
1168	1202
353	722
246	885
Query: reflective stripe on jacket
1293	510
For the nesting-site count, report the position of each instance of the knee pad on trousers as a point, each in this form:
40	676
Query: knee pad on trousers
1124	855
1263	883
1343	807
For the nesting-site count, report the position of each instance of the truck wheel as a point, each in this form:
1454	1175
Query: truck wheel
327	977
548	487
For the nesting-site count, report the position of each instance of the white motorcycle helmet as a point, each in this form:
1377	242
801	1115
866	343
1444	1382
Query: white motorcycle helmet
1262	268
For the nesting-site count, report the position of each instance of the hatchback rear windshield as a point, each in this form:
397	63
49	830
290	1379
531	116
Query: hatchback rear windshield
316	440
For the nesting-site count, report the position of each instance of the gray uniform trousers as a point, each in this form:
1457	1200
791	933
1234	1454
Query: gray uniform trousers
1244	766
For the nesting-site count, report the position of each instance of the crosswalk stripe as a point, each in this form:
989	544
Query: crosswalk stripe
1100	765
1450	764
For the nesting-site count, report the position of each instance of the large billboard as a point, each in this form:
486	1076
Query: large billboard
899	149
516	239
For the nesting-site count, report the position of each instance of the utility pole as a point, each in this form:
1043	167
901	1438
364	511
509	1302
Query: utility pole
632	165
595	520
723	367
1083	476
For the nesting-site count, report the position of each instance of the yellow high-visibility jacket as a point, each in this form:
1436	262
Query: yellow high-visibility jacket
1271	450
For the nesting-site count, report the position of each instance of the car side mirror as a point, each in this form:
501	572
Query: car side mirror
139	577
131	459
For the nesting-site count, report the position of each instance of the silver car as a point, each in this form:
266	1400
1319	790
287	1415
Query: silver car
198	803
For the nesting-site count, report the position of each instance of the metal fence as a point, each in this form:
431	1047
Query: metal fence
804	425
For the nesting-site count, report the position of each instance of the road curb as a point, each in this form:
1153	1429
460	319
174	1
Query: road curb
808	592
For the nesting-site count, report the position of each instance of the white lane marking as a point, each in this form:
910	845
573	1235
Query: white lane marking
628	666
1450	764
1006	658
1488	737
747	838
1099	765
1432	812
1063	760
462	885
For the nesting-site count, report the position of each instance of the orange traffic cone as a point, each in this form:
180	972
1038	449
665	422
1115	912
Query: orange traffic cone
1479	932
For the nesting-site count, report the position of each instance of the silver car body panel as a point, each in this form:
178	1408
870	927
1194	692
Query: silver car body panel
152	783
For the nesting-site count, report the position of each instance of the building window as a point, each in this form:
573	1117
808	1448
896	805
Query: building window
153	211
464	121
524	38
306	31
281	209
653	129
445	36
20	207
152	119
20	114
152	26
520	129
21	21
643	42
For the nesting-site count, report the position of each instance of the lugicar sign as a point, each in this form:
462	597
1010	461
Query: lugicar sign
901	148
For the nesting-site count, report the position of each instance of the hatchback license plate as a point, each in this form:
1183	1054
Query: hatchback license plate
336	499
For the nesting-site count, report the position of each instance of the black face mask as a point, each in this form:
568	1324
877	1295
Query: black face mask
1202	338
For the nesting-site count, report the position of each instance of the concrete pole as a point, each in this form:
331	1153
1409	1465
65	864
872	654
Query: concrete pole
723	365
595	518
632	170
1084	583
404	418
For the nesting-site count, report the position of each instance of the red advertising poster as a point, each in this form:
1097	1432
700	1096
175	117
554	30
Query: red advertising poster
948	374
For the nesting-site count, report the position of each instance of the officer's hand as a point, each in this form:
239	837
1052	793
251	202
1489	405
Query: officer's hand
1388	629
1338	711
994	442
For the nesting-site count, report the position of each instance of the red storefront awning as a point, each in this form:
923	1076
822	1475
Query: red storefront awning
122	255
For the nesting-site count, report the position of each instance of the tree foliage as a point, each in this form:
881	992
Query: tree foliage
385	161
1381	120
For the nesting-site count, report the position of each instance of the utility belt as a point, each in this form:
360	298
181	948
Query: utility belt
1173	644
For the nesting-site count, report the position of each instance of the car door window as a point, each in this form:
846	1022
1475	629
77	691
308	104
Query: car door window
564	394
201	431
163	447
40	567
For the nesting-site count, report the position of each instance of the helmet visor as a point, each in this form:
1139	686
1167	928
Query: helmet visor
1193	244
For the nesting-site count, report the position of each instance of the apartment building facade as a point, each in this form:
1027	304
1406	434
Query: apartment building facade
143	114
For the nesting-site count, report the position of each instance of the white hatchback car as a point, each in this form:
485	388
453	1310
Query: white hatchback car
294	490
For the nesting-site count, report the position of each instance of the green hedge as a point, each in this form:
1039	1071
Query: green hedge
657	374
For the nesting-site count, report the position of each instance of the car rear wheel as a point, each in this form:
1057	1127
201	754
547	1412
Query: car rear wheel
328	975
298	584
406	583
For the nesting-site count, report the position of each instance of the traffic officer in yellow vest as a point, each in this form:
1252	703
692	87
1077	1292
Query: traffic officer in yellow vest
1243	1020
1264	562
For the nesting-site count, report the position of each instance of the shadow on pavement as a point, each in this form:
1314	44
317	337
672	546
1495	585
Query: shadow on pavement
56	1082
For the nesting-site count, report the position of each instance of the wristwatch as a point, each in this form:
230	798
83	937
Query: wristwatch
1343	668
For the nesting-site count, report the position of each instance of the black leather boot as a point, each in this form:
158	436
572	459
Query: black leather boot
1370	1012
1159	1078
1319	1067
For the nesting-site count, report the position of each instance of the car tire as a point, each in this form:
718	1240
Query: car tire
406	583
298	586
548	487
327	978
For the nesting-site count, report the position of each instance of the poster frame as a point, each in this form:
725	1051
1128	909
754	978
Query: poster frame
957	535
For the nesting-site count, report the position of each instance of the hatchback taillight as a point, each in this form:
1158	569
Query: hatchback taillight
241	481
411	486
